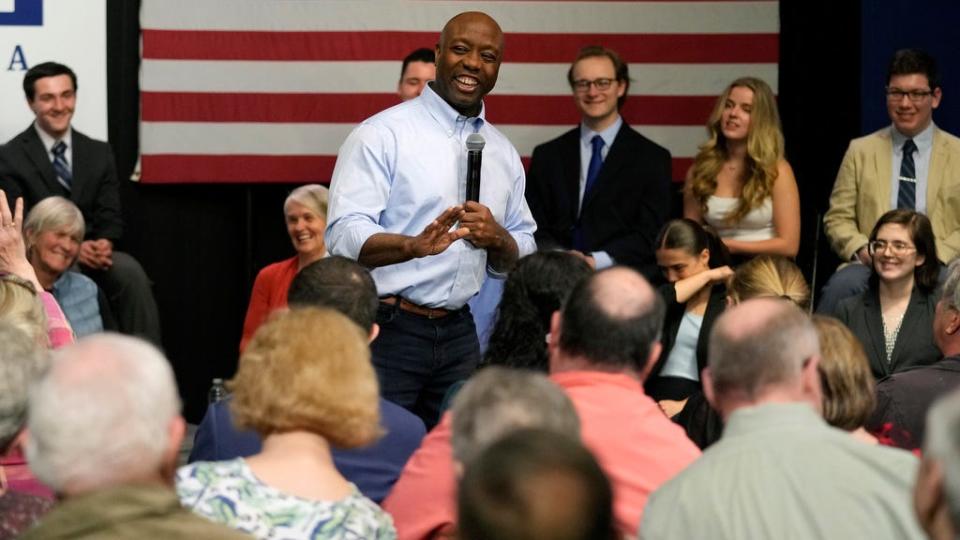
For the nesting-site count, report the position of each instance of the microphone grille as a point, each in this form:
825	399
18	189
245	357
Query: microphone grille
475	142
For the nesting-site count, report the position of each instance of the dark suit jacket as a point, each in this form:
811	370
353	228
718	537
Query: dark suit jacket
914	347
373	469
623	212
26	171
674	316
904	398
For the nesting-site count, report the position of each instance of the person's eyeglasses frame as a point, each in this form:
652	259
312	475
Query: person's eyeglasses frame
880	246
582	86
896	95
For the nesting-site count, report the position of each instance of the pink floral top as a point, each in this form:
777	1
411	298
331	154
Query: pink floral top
58	329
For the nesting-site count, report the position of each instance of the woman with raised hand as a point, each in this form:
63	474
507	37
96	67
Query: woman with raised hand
740	183
23	300
694	264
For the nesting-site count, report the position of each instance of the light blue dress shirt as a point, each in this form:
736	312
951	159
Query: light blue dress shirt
399	170
601	258
921	161
77	296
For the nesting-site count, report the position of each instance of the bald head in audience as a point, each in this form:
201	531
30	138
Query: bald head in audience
762	350
611	322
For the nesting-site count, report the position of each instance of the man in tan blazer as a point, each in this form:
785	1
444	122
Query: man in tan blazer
873	169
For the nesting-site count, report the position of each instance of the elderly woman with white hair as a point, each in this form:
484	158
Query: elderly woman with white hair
23	301
305	212
52	233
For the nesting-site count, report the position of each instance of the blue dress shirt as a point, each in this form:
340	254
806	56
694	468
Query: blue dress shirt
78	298
399	170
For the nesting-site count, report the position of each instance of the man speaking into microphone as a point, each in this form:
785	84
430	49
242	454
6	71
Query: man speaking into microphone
399	205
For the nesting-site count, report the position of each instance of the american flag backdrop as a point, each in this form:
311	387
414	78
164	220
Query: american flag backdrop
267	90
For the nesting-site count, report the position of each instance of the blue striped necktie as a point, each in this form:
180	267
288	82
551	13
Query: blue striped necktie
61	165
907	194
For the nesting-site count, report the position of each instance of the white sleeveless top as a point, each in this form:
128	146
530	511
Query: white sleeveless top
756	225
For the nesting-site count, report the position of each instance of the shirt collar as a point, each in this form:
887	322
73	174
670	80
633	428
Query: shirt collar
923	140
569	379
608	134
49	141
767	416
444	114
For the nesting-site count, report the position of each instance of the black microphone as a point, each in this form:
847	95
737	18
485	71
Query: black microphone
475	145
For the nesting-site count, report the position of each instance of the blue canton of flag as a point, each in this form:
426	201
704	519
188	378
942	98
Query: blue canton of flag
22	13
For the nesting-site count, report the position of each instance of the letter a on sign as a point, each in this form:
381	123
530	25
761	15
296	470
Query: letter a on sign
17	59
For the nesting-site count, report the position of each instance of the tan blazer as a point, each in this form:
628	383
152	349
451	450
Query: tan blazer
861	193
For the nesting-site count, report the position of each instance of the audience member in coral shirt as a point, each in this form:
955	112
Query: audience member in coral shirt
305	212
603	344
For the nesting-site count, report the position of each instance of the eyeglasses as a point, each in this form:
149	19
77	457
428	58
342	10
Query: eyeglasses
897	248
583	85
916	96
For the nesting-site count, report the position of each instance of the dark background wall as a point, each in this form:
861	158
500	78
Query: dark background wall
897	24
203	244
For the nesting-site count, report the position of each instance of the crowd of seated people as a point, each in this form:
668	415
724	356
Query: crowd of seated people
709	405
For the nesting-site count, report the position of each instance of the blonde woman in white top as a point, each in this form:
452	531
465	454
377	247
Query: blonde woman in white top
740	183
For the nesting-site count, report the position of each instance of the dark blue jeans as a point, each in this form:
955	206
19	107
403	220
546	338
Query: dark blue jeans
417	358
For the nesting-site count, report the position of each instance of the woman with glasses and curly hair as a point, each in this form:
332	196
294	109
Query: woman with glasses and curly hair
740	183
894	317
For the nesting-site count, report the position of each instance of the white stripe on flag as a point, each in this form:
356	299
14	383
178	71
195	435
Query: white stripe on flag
429	16
211	138
525	79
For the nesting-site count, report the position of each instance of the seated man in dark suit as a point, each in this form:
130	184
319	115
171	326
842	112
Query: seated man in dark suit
51	158
601	190
904	398
344	285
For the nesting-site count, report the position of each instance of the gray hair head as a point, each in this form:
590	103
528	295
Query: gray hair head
758	344
942	443
50	214
951	286
21	361
313	196
101	415
498	400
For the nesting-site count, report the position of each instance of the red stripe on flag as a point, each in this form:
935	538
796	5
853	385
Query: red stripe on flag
387	45
177	168
680	166
354	108
245	169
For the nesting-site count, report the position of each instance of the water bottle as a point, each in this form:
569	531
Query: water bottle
218	392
